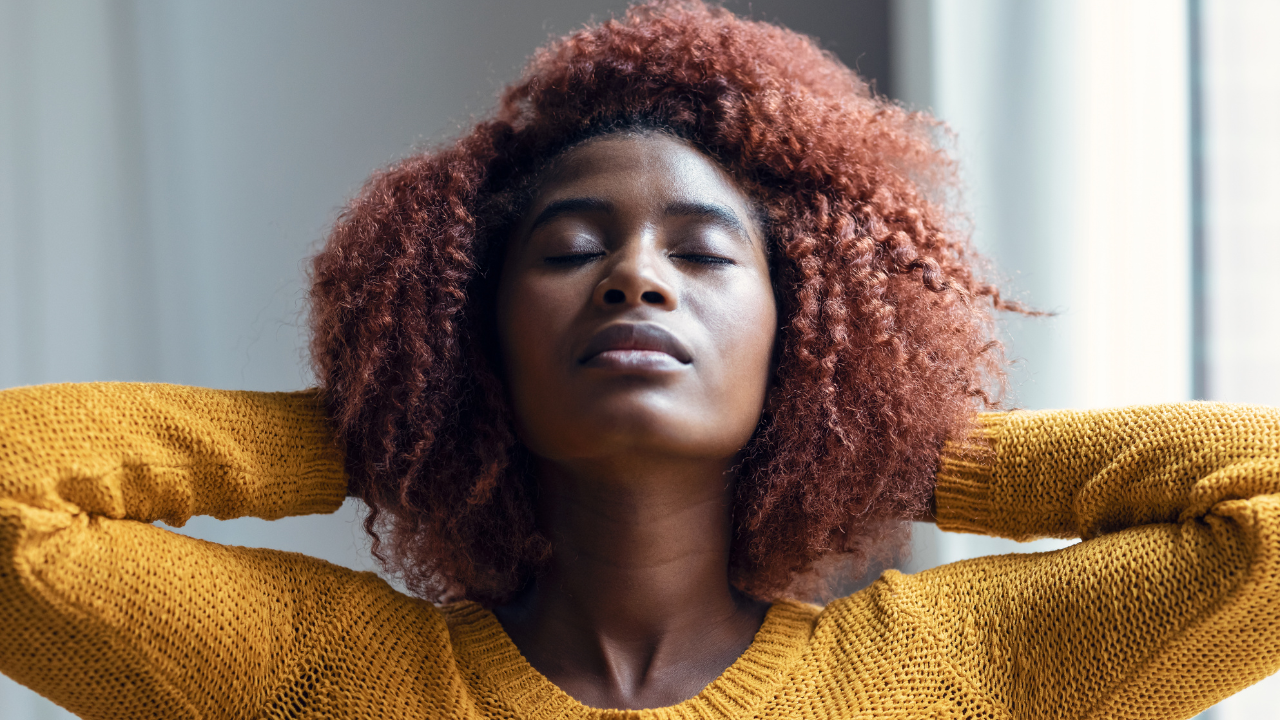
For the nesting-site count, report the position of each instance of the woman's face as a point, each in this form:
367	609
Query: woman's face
635	313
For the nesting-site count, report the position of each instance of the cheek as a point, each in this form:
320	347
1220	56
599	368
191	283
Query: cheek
527	318
533	319
746	329
745	319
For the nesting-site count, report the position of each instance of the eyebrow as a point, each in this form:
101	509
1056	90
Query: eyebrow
718	214
570	206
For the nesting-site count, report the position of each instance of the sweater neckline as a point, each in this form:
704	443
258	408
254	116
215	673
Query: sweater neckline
498	673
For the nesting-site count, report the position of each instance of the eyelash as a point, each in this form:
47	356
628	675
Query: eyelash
702	259
583	258
572	259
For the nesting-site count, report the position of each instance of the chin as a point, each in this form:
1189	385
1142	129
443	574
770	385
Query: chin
647	434
652	421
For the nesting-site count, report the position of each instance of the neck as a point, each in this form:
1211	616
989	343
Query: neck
635	608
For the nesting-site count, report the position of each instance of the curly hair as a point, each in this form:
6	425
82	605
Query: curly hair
885	335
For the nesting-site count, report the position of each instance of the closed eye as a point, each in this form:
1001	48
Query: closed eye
572	258
703	259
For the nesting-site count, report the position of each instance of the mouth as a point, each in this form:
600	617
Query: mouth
634	345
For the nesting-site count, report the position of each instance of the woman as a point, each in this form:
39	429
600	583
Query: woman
678	333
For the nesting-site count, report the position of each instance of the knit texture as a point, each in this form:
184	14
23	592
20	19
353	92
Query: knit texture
1170	604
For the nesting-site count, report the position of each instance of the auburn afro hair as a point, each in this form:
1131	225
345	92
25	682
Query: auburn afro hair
885	326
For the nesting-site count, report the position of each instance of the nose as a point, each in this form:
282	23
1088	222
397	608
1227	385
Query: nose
634	279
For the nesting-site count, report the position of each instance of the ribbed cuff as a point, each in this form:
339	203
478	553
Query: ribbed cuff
964	493
321	491
311	478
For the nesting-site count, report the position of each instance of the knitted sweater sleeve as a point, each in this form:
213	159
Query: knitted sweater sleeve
1172	600
111	616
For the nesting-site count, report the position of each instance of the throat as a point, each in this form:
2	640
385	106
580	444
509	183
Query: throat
635	608
632	662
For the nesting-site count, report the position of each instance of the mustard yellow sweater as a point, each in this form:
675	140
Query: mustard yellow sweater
1171	603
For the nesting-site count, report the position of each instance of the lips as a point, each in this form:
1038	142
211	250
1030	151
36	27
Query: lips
642	337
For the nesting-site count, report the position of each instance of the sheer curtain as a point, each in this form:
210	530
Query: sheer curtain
1239	172
1087	180
1070	125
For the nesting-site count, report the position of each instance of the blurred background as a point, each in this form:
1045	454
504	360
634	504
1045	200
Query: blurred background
166	169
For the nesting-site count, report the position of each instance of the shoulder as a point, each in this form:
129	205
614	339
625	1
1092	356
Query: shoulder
376	618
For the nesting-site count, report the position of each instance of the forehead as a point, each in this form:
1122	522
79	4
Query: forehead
639	167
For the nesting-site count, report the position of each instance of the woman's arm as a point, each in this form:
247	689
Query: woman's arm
111	616
1173	600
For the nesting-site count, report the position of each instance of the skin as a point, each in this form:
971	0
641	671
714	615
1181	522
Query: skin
634	447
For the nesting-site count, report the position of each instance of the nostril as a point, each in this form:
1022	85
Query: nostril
652	297
615	296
